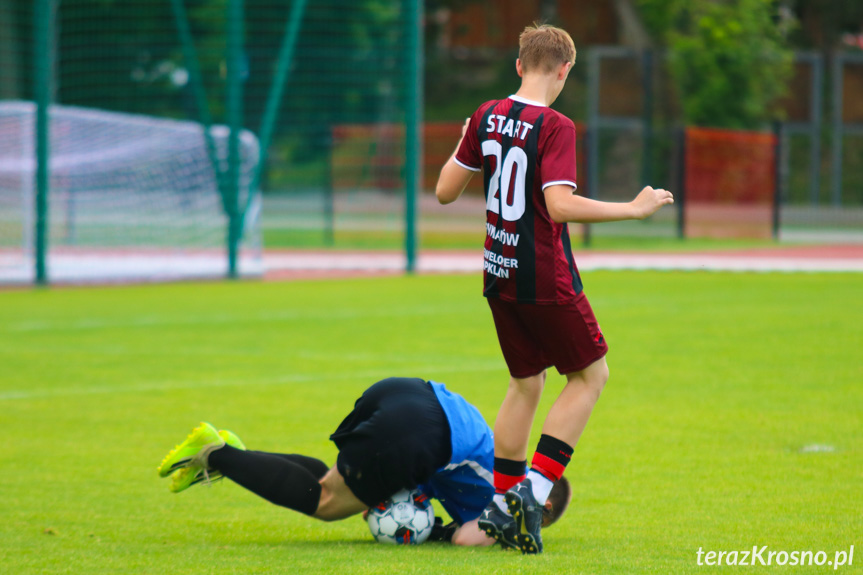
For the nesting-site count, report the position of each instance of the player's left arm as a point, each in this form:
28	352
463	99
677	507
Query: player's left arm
454	176
558	177
469	535
564	206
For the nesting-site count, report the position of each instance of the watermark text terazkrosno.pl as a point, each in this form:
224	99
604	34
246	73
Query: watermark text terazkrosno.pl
767	557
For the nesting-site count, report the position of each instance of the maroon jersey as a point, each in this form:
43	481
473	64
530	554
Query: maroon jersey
523	147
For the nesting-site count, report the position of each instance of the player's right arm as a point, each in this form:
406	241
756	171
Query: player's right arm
452	181
455	174
564	206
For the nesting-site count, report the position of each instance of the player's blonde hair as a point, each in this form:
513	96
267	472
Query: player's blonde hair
543	48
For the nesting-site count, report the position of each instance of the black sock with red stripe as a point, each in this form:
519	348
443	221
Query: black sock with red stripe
551	457
507	474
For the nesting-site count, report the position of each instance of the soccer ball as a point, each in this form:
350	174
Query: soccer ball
404	519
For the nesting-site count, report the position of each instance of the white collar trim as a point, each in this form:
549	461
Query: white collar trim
526	101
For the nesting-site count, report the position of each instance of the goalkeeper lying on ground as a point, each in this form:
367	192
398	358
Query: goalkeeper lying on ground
402	434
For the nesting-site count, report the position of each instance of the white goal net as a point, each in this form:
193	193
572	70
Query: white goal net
132	198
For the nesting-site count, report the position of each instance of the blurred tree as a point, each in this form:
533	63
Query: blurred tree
345	70
729	60
117	54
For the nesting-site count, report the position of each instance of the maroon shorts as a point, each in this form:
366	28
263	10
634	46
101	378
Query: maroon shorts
534	337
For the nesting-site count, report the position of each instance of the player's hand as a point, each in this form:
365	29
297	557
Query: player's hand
649	200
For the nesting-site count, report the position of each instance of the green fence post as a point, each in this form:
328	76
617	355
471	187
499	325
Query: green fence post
43	23
413	120
235	122
277	90
190	56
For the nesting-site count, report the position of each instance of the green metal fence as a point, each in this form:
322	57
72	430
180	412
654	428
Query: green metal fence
152	127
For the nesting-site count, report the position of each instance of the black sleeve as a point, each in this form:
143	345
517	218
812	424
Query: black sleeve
441	532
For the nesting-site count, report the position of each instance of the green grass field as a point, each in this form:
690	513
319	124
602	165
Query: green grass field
732	418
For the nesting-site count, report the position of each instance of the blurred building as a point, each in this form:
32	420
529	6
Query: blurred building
496	24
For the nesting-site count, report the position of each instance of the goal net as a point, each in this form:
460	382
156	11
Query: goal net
132	197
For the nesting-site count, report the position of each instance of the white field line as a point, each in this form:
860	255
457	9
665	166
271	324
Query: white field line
416	370
467	263
293	353
219	319
106	268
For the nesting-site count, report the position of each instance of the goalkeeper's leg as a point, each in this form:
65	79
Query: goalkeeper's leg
314	466
337	499
290	481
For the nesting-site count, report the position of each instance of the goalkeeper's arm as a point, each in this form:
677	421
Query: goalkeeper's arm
467	535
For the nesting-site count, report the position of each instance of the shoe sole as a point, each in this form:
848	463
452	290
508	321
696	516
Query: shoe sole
214	477
492	531
231	439
526	541
166	471
209	478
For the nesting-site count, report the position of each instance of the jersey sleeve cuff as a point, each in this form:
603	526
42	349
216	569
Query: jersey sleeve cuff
560	183
465	166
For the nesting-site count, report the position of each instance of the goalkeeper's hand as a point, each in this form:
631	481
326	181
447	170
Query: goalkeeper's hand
441	532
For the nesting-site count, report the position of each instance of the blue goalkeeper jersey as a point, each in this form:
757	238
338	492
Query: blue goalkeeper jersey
466	485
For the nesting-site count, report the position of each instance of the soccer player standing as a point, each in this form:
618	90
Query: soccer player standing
526	151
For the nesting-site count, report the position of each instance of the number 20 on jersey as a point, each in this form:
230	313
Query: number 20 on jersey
502	179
